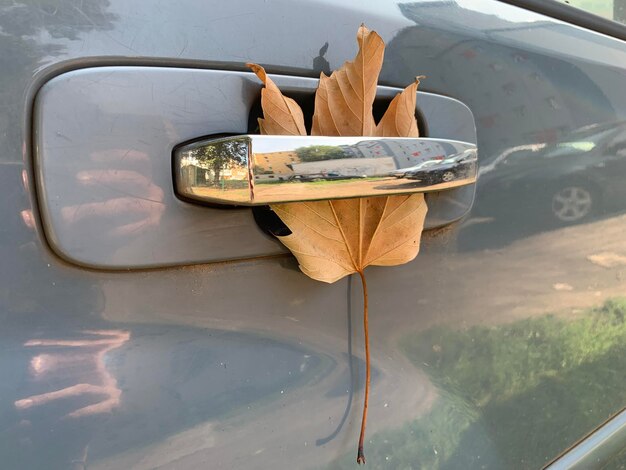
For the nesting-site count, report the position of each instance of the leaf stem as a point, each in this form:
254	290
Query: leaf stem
360	458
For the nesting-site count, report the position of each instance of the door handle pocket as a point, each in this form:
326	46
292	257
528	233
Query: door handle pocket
103	166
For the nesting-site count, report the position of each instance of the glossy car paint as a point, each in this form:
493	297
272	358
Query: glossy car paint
250	363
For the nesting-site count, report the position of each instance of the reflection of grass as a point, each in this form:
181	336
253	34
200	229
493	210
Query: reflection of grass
515	395
498	363
423	444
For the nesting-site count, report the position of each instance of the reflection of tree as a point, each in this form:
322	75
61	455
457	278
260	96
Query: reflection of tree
220	156
61	18
26	27
320	64
619	11
316	153
21	25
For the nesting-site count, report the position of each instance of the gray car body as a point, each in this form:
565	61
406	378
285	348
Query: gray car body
249	363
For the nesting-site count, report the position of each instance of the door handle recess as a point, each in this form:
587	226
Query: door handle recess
261	169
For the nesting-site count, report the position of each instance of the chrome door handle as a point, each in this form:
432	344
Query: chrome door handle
263	169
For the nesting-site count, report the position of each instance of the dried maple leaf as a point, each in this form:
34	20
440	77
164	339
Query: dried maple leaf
283	115
333	239
399	119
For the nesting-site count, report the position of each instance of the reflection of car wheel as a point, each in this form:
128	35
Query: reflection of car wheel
447	176
572	203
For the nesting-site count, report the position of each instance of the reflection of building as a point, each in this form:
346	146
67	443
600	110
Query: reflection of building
277	163
404	153
525	81
347	167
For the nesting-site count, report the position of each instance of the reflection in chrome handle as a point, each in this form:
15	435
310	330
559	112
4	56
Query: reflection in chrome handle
264	169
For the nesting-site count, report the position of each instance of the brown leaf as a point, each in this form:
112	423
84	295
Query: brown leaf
343	103
399	119
332	239
283	115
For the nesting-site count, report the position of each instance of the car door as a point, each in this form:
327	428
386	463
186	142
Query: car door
143	330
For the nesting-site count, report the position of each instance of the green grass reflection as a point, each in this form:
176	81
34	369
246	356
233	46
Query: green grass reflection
512	396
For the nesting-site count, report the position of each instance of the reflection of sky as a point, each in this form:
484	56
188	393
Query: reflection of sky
288	143
508	13
562	41
507	24
237	30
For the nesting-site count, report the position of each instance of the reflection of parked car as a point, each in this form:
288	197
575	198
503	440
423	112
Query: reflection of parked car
439	170
326	177
567	181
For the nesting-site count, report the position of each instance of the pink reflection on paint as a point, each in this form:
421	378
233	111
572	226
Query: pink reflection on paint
85	355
